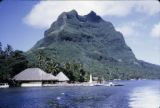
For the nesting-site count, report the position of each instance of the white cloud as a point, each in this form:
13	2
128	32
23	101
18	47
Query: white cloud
127	31
149	7
130	29
45	12
156	30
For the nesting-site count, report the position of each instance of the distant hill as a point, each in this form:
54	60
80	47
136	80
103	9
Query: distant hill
96	44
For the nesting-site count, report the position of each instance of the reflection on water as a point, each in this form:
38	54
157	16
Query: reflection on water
134	94
145	97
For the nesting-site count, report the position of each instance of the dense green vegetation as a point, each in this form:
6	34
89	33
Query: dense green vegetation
109	69
11	62
14	61
72	69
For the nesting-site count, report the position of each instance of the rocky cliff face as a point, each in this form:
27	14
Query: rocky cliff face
87	39
90	32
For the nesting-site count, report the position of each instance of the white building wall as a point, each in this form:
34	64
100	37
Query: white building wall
32	84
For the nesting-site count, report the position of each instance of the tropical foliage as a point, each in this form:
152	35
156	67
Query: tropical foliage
11	62
14	61
73	70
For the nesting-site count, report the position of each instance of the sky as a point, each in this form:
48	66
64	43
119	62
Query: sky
23	22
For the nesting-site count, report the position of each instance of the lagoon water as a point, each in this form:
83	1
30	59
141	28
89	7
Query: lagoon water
135	94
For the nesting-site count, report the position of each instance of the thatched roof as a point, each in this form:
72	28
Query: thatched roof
34	74
62	77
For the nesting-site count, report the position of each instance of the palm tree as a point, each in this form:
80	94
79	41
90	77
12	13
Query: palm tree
53	67
41	59
8	50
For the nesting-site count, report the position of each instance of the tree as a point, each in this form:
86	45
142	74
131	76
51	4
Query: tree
19	62
47	64
1	50
100	79
41	59
82	75
75	72
11	63
8	50
53	67
5	63
69	71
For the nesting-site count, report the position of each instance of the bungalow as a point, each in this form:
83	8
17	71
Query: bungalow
33	77
61	77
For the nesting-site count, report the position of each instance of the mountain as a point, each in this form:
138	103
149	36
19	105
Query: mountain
95	43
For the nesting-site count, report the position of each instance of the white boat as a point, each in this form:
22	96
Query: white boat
4	85
111	84
114	84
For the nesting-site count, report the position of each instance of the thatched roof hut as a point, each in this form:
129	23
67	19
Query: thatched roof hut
62	77
34	74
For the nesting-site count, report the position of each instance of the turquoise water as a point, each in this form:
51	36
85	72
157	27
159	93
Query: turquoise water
135	94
